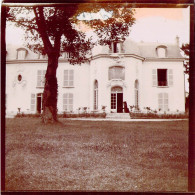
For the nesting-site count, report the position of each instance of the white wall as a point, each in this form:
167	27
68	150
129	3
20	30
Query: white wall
81	85
99	71
175	92
19	95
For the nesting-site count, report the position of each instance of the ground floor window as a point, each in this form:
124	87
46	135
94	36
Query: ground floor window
96	95
163	101
136	94
67	102
36	102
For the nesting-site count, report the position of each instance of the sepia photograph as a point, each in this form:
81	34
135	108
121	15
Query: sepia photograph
97	97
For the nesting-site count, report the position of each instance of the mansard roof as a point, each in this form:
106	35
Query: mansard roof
142	49
148	50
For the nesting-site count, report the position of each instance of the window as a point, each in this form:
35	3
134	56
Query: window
136	94
21	53
67	55
162	77
96	95
41	78
161	51
114	95
19	77
113	100
68	78
116	47
116	72
163	101
68	102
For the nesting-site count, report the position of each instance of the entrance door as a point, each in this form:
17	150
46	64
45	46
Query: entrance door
39	102
119	102
117	99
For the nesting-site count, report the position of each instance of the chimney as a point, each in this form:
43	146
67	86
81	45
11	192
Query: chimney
177	40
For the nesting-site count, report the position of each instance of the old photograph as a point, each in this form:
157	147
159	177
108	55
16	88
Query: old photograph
97	97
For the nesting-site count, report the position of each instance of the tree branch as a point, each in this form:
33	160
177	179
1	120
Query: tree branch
42	29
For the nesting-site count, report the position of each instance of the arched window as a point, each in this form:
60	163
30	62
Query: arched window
136	94
95	95
21	53
161	51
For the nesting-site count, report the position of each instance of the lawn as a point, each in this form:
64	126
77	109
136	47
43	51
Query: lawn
96	156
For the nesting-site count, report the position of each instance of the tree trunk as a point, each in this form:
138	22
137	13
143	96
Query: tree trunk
50	91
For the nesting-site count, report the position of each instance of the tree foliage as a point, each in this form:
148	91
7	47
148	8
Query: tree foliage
56	27
186	49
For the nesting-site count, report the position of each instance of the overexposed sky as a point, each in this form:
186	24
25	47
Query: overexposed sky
152	24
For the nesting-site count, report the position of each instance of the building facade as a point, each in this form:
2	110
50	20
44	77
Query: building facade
140	74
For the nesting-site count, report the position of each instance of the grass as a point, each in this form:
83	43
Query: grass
94	156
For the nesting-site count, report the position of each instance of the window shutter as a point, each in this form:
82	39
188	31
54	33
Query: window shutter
160	101
122	47
65	78
166	101
170	77
65	102
38	78
110	48
70	101
43	78
154	77
71	78
117	47
33	102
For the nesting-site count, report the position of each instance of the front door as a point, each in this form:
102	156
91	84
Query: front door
117	99
119	102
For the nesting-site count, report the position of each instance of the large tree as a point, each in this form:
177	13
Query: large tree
52	30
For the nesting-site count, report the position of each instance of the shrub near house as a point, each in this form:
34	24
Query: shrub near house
148	113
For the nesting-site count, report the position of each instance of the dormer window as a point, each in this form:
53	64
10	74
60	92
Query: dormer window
67	55
161	51
116	47
21	53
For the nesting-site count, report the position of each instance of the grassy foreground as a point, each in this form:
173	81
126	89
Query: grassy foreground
102	156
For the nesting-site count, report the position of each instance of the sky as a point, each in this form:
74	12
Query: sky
152	25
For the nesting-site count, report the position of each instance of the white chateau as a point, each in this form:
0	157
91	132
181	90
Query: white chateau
140	74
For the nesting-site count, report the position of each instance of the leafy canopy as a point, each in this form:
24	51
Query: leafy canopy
52	30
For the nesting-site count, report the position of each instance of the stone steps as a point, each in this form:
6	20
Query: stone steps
118	115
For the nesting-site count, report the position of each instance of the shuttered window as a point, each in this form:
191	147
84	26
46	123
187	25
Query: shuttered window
33	102
163	101
162	77
68	78
68	102
41	78
116	47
